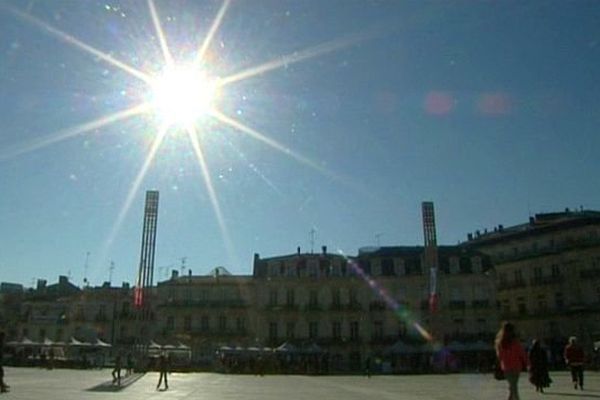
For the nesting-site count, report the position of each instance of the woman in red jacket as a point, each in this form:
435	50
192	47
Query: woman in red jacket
574	357
512	357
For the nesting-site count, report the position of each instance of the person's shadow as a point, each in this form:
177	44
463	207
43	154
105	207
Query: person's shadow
581	395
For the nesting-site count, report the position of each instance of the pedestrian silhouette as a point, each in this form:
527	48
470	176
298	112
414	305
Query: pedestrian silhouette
574	357
538	367
163	366
116	372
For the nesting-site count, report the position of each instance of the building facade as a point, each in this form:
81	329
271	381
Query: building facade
548	275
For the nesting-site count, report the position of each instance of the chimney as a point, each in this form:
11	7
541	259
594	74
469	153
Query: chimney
256	257
298	250
477	233
469	236
174	274
63	279
41	284
324	248
500	228
531	220
125	285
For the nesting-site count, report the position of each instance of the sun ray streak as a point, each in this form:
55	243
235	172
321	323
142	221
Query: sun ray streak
77	43
297	56
74	131
212	193
211	32
272	143
400	311
136	185
255	169
160	33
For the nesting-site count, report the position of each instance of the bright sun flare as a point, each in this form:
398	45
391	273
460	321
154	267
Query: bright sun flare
182	95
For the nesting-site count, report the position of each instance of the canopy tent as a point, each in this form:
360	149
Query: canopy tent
76	343
102	344
25	342
286	347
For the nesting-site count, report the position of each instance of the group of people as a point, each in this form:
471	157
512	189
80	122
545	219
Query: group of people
513	359
163	367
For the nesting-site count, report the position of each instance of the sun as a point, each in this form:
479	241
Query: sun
182	95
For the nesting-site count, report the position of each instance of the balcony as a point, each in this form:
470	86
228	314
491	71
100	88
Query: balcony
511	285
235	303
457	305
377	306
547	280
480	304
313	307
591	274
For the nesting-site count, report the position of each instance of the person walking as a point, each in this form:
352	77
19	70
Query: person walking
163	366
129	364
116	372
511	356
3	386
538	367
574	357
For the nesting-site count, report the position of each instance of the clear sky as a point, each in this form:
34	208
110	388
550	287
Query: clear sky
489	109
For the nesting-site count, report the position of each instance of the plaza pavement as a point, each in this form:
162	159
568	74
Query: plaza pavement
60	384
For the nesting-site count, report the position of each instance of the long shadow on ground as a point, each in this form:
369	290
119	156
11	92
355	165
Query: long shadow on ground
108	386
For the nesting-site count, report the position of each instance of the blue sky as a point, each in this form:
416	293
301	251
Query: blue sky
490	109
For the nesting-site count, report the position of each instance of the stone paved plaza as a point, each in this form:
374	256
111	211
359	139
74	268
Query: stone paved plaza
31	383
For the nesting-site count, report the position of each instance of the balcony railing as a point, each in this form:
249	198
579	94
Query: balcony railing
511	285
377	306
546	280
457	305
479	304
590	274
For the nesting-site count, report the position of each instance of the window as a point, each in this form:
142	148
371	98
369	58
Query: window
521	305
335	297
204	323
502	278
312	268
273	297
541	302
290	297
313	330
377	330
354	333
313	298
273	335
518	276
170	322
222	323
505	306
401	329
454	265
399	268
240	324
376	268
559	300
387	267
336	330
290	330
476	263
353	297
